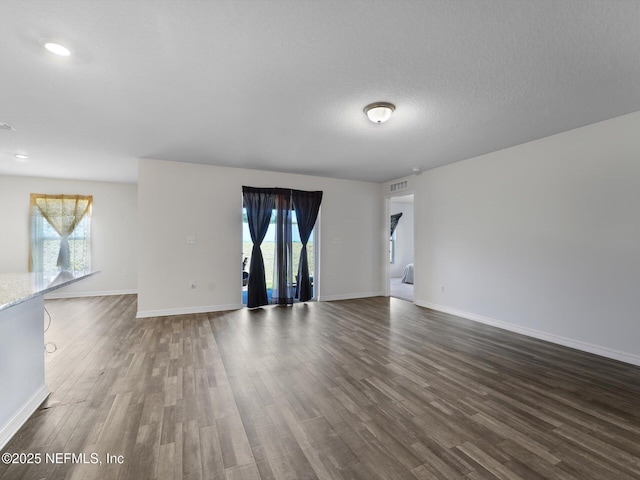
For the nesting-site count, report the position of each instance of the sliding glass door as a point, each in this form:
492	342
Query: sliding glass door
268	249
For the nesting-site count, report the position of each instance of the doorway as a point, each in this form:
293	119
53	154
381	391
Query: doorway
400	270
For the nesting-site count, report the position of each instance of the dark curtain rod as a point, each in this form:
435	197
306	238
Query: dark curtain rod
276	190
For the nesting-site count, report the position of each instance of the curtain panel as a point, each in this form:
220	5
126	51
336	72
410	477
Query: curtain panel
259	205
394	222
307	206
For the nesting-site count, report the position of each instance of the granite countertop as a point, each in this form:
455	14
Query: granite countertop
19	287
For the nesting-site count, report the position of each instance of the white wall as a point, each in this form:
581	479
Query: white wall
113	231
177	200
541	238
404	238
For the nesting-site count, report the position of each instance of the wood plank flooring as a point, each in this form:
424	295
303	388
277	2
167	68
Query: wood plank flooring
361	389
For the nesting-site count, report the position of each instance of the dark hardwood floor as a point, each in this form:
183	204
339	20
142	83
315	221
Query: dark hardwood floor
361	389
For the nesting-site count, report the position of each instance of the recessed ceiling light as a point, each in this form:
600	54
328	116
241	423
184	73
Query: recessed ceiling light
21	156
57	49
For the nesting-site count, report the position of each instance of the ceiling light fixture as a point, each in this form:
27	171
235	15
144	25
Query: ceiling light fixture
379	112
57	49
21	156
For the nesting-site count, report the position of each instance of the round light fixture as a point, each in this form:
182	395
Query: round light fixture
57	49
379	112
21	156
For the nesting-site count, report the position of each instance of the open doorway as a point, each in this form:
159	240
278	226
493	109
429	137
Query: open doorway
401	249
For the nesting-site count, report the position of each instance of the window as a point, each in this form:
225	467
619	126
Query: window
60	233
392	248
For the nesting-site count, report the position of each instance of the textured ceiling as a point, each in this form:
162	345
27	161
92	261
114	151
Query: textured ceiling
281	85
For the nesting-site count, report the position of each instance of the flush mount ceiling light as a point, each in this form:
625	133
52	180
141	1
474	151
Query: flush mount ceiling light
379	112
21	156
57	49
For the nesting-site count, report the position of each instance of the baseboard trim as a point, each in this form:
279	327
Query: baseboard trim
349	296
187	310
606	352
105	293
14	424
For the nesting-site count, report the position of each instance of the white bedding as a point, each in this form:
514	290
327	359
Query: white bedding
407	275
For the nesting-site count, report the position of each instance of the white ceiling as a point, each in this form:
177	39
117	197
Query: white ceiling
280	85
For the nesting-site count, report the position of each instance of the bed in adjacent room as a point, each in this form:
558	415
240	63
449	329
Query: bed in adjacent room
407	275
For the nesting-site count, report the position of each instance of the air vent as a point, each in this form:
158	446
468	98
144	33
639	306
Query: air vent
5	126
394	187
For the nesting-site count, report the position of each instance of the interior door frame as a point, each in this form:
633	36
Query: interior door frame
387	227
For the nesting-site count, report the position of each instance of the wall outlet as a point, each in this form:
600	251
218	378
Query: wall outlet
442	288
191	240
193	284
125	272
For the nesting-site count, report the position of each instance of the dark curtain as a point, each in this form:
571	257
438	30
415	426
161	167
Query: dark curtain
283	272
307	205
259	203
394	222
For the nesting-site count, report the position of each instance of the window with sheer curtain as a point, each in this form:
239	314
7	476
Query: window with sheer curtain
60	233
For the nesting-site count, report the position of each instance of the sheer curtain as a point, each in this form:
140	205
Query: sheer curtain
283	271
259	203
63	213
307	205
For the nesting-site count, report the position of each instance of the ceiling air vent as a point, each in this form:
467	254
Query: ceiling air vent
394	187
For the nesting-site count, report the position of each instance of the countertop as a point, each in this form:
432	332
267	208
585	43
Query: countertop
16	288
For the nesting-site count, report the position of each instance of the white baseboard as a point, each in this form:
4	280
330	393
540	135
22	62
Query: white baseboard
607	352
106	293
187	310
223	308
14	424
349	296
